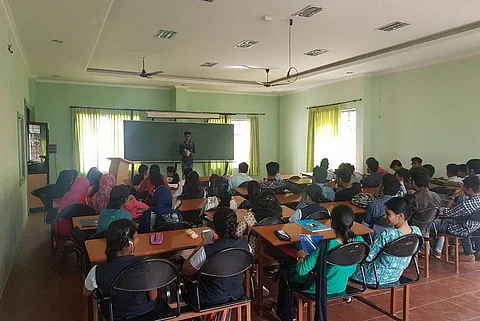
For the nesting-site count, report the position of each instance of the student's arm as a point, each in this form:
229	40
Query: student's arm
292	188
152	295
370	215
194	262
90	282
308	263
378	244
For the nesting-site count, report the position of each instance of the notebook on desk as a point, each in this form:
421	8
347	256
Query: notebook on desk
312	225
89	223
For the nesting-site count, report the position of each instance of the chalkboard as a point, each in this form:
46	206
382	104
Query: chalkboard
149	141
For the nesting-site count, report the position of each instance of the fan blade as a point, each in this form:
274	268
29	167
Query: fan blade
112	71
158	72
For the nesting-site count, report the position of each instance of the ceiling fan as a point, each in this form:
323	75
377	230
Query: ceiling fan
267	83
143	73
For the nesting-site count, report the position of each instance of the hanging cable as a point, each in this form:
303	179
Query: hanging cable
291	69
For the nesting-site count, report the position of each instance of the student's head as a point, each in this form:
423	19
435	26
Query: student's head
342	221
462	170
94	176
430	169
324	163
471	185
254	189
473	166
419	177
155	175
225	223
396	165
187	135
266	206
403	175
65	178
452	170
120	238
273	168
344	175
213	179
171	171
193	179
320	174
118	197
187	172
154	168
390	184
221	186
243	167
397	212
416	162
142	169
74	174
313	194
372	165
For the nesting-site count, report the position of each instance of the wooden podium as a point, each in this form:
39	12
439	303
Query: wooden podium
119	169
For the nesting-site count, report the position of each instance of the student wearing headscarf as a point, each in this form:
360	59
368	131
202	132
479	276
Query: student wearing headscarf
162	211
99	200
94	176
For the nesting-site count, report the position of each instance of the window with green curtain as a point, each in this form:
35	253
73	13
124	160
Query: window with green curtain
97	135
322	132
211	168
254	156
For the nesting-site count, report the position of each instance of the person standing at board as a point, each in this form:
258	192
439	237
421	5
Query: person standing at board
187	151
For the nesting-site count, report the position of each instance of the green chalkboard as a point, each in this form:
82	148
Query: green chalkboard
149	141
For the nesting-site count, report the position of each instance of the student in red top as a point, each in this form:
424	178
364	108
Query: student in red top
149	184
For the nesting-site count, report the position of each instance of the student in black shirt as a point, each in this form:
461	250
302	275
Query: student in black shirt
374	178
274	181
121	237
172	175
346	190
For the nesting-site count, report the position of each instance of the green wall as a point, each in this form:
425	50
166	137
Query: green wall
13	91
53	101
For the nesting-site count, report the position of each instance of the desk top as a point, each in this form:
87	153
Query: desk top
172	241
197	204
77	222
301	181
371	190
243	191
287	212
288	198
331	205
294	230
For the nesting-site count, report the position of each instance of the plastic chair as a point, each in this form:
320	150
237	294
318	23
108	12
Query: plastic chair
322	214
143	276
225	264
346	255
99	235
244	184
424	220
405	246
265	222
174	226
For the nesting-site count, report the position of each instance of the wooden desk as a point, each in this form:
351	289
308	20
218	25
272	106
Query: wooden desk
287	212
172	241
302	182
331	205
77	222
267	236
243	191
371	190
288	198
197	204
286	176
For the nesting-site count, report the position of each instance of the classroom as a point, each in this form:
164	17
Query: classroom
244	160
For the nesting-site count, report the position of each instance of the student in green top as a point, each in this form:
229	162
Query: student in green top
337	276
118	198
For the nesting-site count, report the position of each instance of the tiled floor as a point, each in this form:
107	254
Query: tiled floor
42	288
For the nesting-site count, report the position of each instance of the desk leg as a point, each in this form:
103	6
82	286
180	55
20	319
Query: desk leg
260	276
85	301
94	309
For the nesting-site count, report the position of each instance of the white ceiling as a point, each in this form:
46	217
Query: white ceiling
115	34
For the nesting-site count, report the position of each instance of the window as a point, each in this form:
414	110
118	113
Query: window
343	148
241	141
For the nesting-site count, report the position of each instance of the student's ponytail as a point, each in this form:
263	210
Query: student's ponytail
342	221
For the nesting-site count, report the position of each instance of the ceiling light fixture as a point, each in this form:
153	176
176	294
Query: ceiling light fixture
57	41
393	26
165	34
208	64
315	52
245	44
308	11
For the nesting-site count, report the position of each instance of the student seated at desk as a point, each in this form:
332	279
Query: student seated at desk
192	189
149	184
121	238
462	171
253	189
374	178
172	175
142	174
311	196
356	176
182	183
389	268
416	162
346	190
94	176
452	171
320	175
273	183
330	173
240	178
396	165
430	169
162	211
221	196
114	211
211	185
99	200
76	195
403	176
423	197
214	291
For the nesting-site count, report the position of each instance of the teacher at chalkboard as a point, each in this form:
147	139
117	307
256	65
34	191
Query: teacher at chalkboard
186	151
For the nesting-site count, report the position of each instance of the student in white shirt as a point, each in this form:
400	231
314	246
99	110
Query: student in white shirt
242	177
452	170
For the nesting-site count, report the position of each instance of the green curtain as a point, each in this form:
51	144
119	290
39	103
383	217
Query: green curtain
214	167
97	135
254	156
322	130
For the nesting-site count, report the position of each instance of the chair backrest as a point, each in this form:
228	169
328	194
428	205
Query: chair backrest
99	235
348	254
227	263
244	184
270	221
75	210
294	178
405	246
174	226
318	215
145	275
